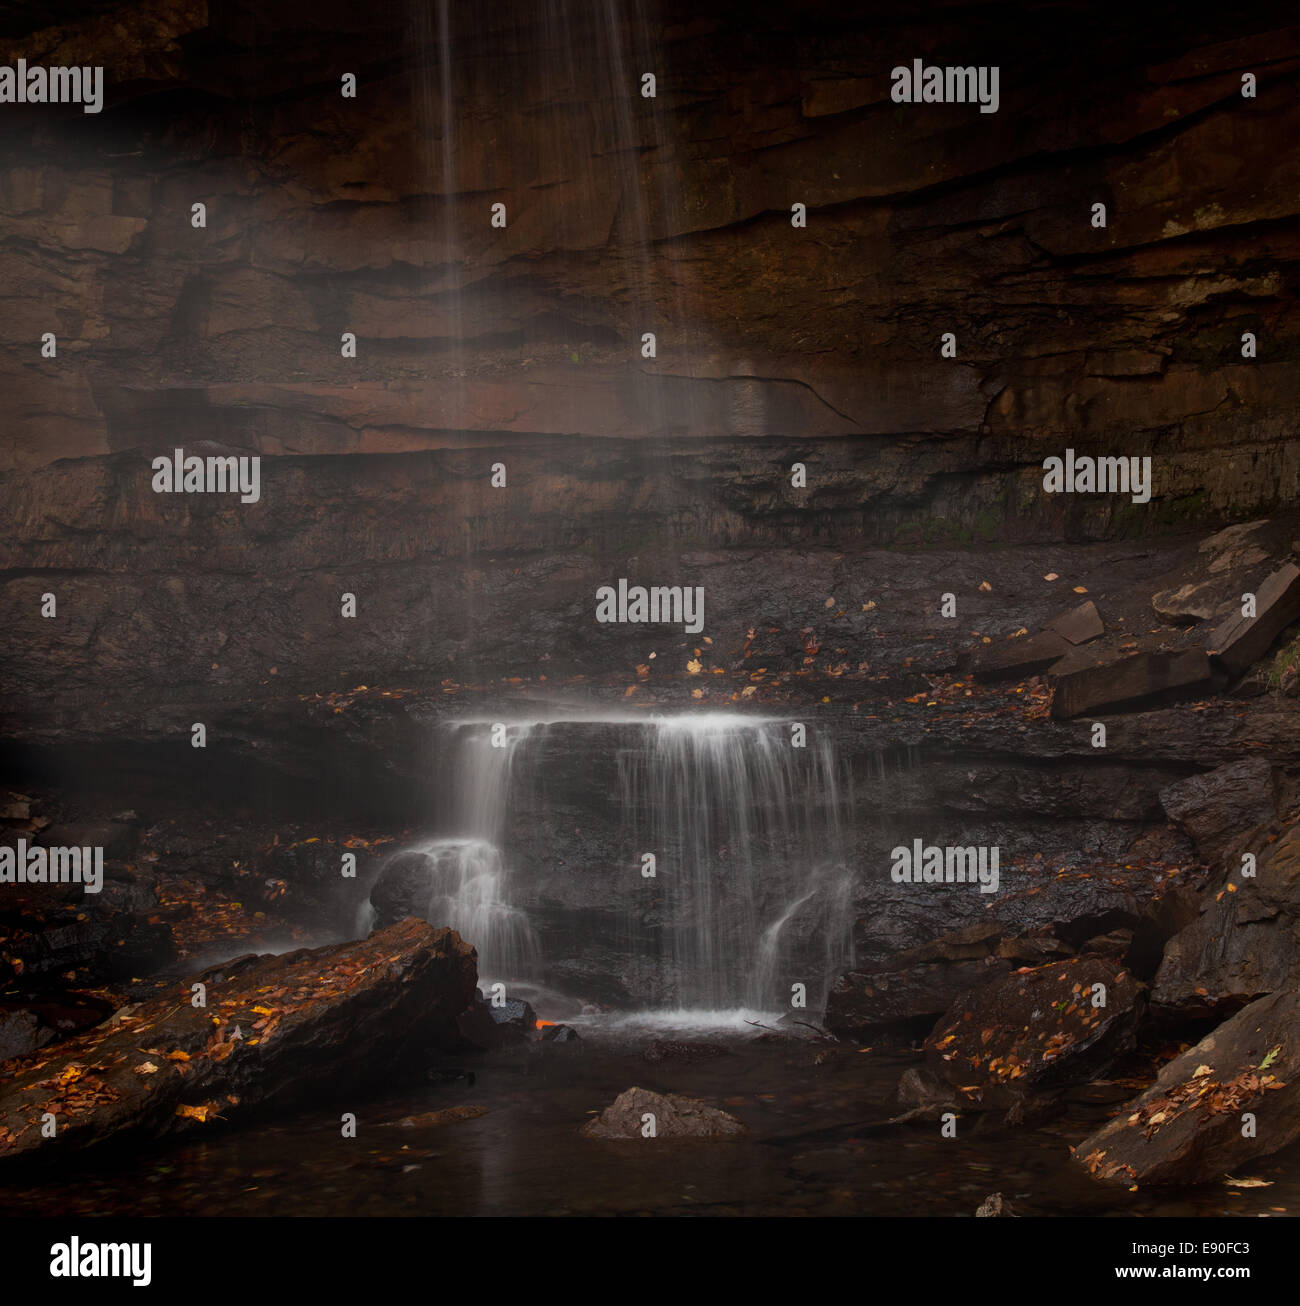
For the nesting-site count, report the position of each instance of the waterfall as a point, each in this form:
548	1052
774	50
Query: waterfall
747	832
541	856
460	878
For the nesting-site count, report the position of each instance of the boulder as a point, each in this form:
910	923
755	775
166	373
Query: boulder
1185	605
560	1034
1245	942
1220	809
403	889
674	1117
312	1022
1141	680
1240	641
21	1032
1036	1030
1187	1128
1079	625
485	1027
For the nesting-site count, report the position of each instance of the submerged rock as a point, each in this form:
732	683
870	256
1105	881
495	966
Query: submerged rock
670	1049
1232	1097
673	1117
306	1025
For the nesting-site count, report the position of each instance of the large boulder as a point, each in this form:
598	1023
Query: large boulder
1220	809
1036	1030
1244	943
1191	1126
275	1030
674	1117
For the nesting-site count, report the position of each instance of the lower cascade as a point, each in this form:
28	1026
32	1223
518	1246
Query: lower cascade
687	862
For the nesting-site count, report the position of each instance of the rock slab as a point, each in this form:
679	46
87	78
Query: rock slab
1187	1127
275	1031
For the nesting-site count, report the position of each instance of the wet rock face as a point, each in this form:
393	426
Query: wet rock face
1222	808
936	217
1245	942
1232	1097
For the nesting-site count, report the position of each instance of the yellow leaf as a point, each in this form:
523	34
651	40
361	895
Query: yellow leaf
694	667
178	1056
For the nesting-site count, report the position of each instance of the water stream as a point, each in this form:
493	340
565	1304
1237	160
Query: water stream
748	891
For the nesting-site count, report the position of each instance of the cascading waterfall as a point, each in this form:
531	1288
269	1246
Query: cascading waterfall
748	837
460	879
751	889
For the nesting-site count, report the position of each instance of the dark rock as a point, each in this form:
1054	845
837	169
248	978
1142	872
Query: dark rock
967	944
514	1011
1034	951
860	1004
1131	682
1036	1030
560	1034
1240	641
1165	843
674	1117
1190	603
994	1205
921	1089
22	1032
342	1018
118	839
1017	659
1114	945
486	1026
1245	942
34	1022
1080	624
448	1115
666	1049
1187	1128
1221	808
404	888
111	935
